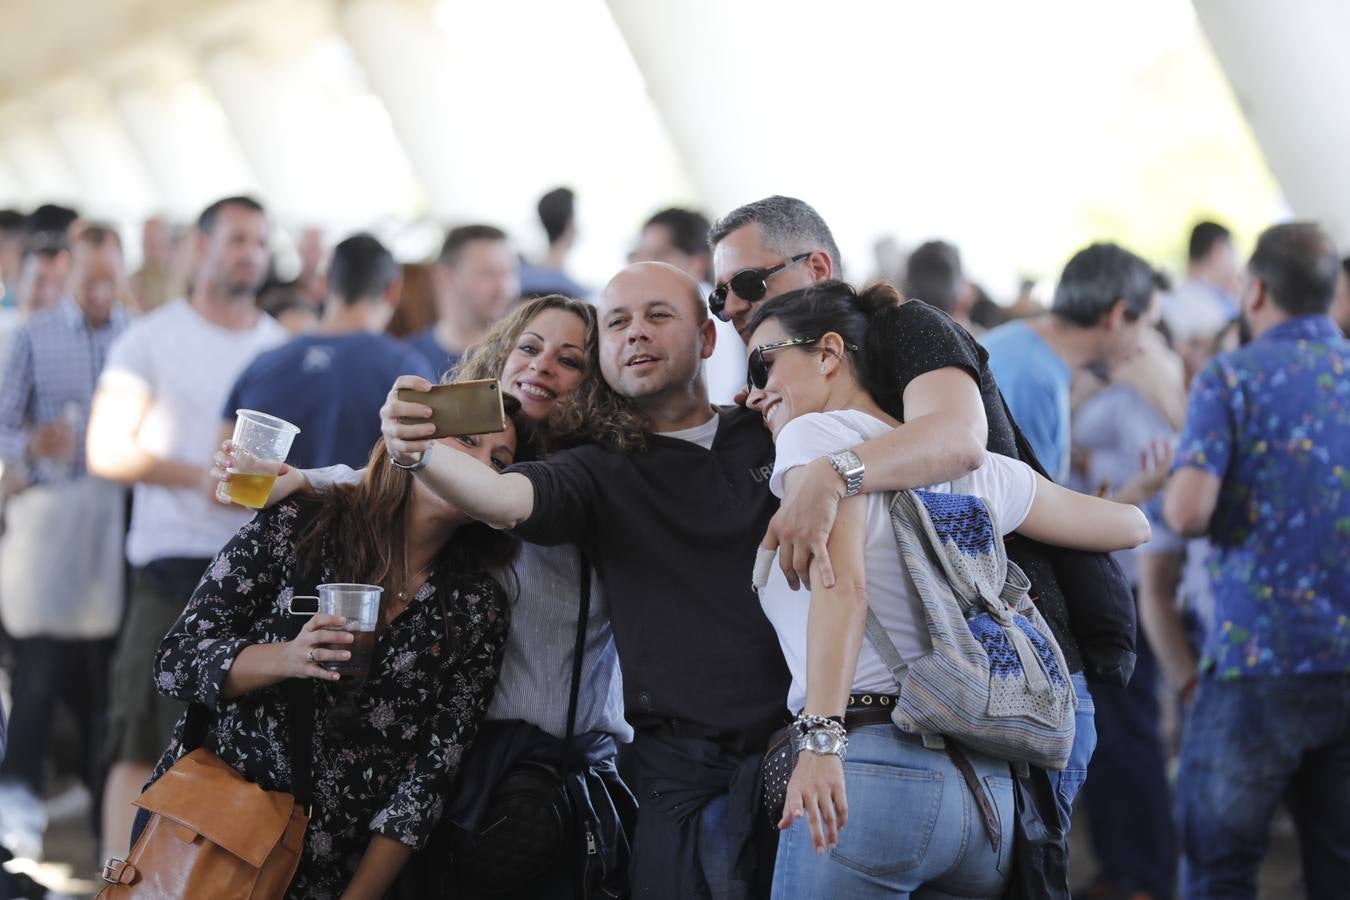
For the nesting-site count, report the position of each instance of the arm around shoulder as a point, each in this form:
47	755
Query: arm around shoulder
943	436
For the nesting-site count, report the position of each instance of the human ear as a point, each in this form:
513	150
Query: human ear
820	266
832	351
708	331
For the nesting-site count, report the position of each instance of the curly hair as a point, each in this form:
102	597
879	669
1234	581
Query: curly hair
593	412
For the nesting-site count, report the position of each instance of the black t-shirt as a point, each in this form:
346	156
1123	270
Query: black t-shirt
672	532
914	338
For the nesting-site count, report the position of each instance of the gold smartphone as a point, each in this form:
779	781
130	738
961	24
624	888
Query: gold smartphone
462	408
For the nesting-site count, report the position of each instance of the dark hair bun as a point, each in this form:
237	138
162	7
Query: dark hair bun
876	297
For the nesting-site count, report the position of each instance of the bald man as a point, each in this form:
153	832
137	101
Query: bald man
672	530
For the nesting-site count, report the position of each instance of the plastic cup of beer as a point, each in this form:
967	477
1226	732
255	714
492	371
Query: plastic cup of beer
360	605
261	443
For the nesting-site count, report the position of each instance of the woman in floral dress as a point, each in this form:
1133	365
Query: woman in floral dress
379	777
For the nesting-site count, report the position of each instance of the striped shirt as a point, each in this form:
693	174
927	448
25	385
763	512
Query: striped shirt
53	363
537	670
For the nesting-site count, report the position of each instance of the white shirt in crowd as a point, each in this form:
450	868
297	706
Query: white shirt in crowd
725	369
1007	486
188	365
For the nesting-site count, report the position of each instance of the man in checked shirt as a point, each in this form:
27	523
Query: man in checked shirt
60	566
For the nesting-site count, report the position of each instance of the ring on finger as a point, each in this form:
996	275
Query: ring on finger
309	654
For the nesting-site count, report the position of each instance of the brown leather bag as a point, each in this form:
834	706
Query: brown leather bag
212	834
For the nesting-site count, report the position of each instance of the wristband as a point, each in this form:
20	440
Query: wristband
413	467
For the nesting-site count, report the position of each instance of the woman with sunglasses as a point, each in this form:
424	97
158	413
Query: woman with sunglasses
385	752
544	353
912	822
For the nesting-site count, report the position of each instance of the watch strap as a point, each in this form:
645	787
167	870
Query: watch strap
850	468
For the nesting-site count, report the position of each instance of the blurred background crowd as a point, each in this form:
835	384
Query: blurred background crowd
419	179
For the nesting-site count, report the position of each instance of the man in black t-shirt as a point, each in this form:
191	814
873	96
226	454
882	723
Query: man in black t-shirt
672	528
940	387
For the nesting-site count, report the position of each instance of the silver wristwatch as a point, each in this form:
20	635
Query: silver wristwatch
850	468
824	742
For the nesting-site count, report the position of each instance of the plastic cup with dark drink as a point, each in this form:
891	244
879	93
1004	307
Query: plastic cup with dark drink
359	604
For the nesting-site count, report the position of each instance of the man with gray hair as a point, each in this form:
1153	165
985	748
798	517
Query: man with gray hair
938	383
784	228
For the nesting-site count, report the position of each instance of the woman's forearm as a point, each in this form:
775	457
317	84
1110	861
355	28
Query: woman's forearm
1067	518
500	500
380	864
838	615
257	666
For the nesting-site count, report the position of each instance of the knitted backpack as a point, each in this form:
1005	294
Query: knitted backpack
995	680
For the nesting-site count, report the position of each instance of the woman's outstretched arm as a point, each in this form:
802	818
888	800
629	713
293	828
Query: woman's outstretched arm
1067	518
500	500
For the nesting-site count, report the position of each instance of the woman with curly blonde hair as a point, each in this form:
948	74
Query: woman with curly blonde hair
545	354
589	411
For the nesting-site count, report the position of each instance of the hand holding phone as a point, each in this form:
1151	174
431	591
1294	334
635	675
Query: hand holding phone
462	408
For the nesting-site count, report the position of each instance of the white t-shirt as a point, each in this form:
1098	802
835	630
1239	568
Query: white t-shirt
725	369
188	364
703	435
1007	486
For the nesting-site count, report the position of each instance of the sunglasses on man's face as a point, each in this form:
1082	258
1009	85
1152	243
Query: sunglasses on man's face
749	284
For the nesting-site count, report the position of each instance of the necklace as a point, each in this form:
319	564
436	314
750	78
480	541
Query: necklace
410	581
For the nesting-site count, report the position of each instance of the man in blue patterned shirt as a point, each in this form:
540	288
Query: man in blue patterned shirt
60	558
1263	469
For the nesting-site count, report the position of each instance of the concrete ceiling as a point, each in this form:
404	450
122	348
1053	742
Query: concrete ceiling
904	118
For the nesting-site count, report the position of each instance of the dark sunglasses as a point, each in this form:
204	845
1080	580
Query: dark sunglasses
757	373
749	284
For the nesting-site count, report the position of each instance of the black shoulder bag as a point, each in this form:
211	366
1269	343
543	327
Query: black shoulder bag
1103	618
530	819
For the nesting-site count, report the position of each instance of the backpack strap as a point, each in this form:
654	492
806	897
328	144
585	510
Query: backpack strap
578	652
890	655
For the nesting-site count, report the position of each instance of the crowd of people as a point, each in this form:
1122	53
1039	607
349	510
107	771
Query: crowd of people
736	505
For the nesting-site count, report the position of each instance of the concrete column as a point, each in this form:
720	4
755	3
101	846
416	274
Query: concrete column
1288	65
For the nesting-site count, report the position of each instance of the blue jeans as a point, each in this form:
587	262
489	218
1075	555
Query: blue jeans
1069	782
913	828
715	852
1248	744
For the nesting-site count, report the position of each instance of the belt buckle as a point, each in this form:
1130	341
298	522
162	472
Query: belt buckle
113	869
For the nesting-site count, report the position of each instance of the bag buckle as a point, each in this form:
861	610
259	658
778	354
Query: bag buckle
118	871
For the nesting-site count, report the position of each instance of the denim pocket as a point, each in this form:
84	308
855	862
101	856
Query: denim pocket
1001	795
891	815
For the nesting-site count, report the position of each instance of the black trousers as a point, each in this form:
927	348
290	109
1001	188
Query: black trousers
50	671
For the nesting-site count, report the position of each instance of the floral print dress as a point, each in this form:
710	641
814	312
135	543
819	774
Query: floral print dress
418	710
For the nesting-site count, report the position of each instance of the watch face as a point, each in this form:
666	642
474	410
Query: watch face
821	742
